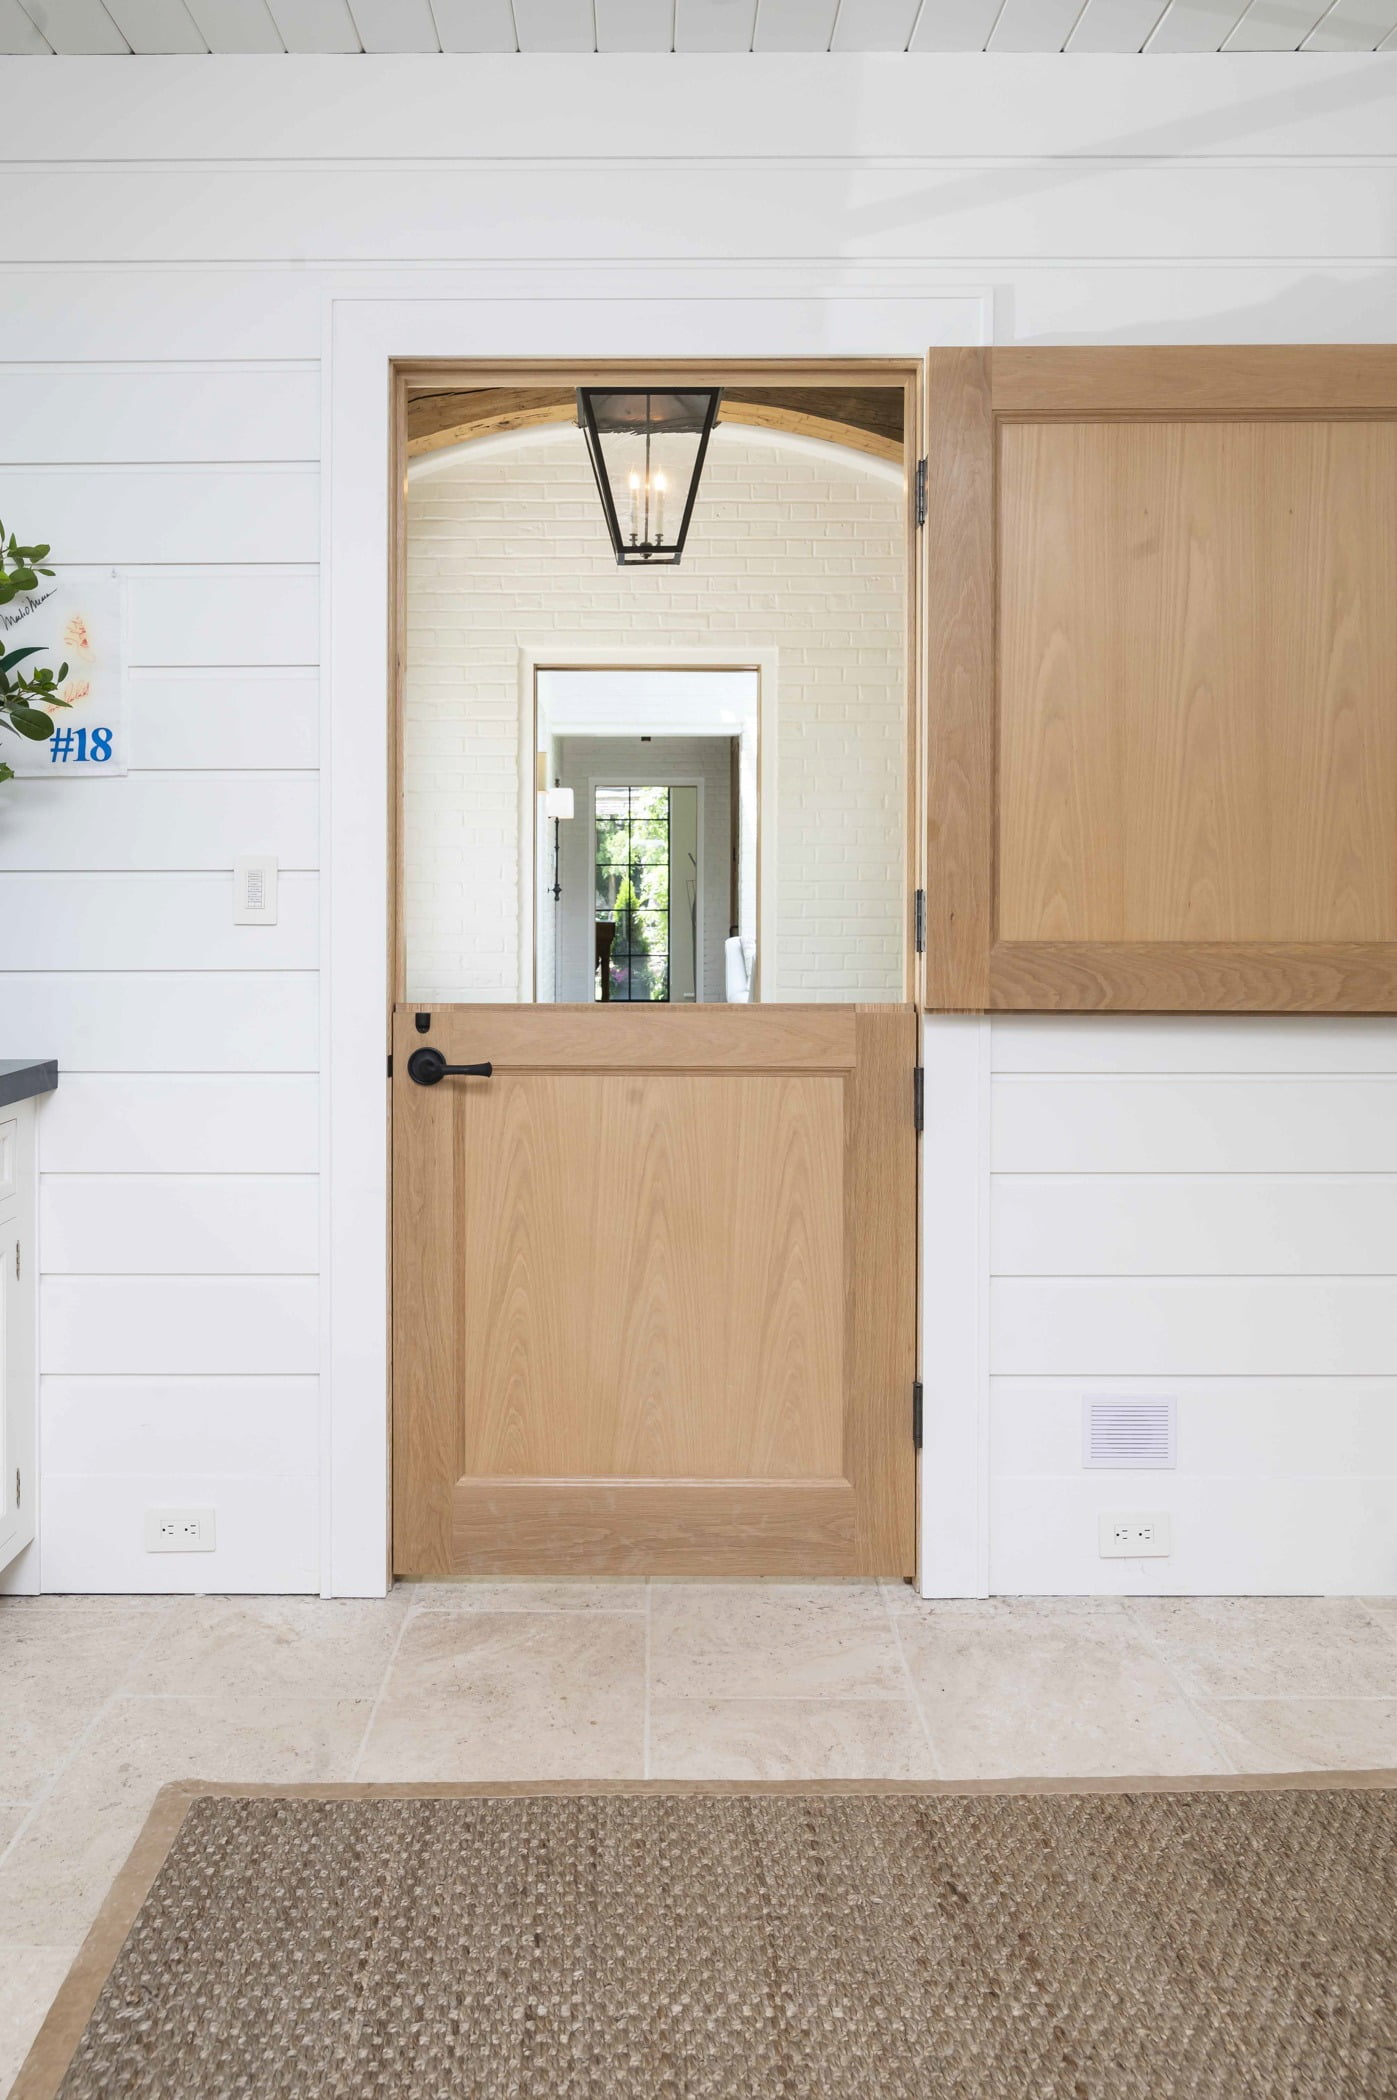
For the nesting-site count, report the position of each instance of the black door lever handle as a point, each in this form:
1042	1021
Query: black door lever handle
426	1067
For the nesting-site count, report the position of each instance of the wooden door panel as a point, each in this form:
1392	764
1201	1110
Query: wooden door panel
1164	687
650	1274
655	1292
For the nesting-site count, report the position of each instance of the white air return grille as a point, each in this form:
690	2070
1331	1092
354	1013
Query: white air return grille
1128	1435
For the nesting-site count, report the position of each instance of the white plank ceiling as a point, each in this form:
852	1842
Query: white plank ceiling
35	28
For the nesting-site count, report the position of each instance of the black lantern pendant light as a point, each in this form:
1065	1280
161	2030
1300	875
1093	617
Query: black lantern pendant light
647	447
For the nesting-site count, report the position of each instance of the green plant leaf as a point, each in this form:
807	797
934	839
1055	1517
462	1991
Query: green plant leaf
7	663
6	772
29	722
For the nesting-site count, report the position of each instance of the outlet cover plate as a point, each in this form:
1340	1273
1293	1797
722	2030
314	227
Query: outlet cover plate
179	1531
1135	1535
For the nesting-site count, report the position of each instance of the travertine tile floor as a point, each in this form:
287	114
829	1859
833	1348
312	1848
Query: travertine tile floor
103	1699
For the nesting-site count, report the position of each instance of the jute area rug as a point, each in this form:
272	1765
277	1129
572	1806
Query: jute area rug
1129	1940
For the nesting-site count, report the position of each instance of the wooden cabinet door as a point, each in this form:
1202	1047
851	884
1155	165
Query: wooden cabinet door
654	1291
1161	642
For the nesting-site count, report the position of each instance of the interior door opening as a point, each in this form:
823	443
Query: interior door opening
655	1231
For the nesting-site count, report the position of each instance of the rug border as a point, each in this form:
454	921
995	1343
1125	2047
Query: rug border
43	2070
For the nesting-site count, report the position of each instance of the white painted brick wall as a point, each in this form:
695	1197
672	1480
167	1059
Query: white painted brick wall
787	551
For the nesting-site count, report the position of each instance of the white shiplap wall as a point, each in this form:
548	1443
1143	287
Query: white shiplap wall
172	232
178	1227
1199	1208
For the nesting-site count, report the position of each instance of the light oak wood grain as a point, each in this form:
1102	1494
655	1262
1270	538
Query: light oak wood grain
1162	649
654	1038
1195	977
1247	379
608	1270
1198	682
655	1527
960	622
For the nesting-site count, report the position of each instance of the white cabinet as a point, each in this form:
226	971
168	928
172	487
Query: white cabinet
18	1298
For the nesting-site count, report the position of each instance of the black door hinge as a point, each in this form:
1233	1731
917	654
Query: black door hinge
916	1414
921	491
919	921
919	1099
390	1064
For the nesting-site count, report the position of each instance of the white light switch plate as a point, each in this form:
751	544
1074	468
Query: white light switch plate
254	890
1135	1535
179	1531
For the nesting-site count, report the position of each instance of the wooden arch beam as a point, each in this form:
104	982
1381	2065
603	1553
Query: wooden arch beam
863	419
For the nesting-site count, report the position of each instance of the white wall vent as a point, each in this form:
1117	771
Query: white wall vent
1129	1435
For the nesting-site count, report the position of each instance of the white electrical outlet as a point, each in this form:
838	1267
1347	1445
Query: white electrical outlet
179	1531
1135	1535
254	890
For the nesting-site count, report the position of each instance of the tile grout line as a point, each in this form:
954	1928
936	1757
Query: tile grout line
45	1793
1151	1641
913	1697
645	1771
409	1614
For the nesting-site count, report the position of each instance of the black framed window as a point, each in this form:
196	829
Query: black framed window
632	888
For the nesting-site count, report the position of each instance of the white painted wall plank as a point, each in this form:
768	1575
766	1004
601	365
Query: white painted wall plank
1197	25
163	821
124	313
156	27
208	1426
18	36
955	25
874	25
714	25
141	414
1195	1043
1228	1428
158	1124
167	1020
1353	25
78	28
189	1324
1276	25
315	25
1194	1225
239	27
395	25
794	25
251	113
634	25
1160	1325
150	922
125	515
223	721
1115	25
475	25
94	1539
554	25
1142	207
179	1224
1193	1126
1230	1537
1034	25
242	616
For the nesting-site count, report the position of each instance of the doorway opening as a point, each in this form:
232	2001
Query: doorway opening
654	1188
647	846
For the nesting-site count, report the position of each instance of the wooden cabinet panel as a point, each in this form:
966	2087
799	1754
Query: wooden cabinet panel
1163	687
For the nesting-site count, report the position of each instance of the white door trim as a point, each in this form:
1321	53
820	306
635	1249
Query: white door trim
832	311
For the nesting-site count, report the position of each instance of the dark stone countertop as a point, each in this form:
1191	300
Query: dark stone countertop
23	1077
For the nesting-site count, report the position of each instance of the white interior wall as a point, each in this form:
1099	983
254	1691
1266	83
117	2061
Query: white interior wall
175	230
796	552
